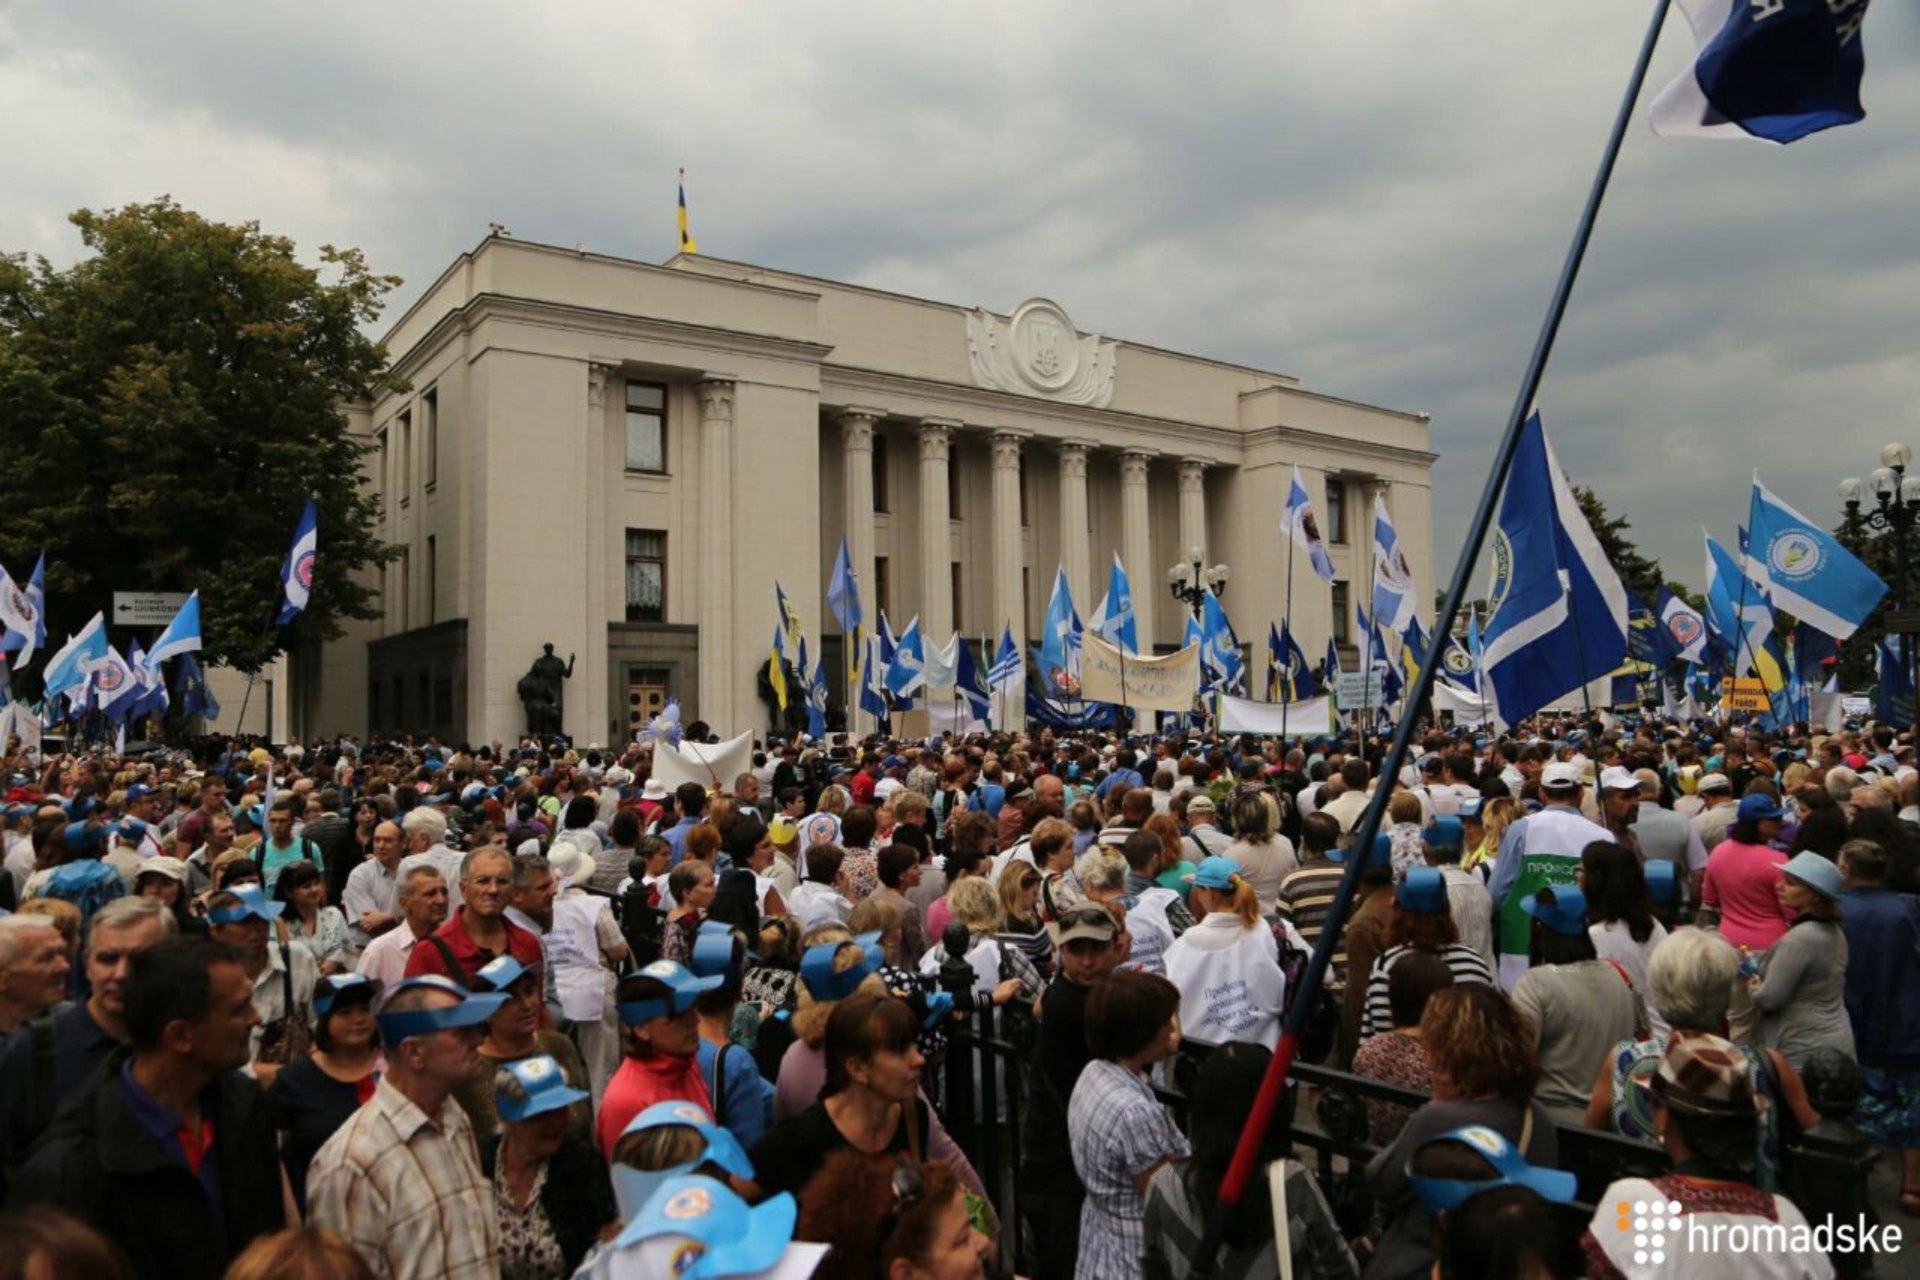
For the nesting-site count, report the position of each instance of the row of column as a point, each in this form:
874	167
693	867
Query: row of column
935	568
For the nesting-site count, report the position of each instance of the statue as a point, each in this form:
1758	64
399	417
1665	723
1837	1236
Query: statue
542	693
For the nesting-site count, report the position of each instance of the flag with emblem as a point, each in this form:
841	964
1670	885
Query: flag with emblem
296	573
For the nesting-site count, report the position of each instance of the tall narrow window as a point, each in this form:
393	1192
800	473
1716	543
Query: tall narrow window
953	483
1342	614
430	411
384	476
1026	596
646	426
881	501
406	455
882	579
433	579
646	575
1336	510
1025	520
406	588
956	596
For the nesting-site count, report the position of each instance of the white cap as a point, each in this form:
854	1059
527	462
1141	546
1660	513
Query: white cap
1617	779
1562	776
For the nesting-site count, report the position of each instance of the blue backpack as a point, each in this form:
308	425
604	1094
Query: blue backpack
88	884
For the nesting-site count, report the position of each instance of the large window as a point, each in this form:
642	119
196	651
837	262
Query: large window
646	575
646	426
406	456
1342	614
1336	510
882	579
430	411
956	595
882	502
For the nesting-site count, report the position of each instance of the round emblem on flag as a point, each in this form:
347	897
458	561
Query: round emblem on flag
1795	556
303	570
694	1202
1502	572
1458	661
110	678
1685	629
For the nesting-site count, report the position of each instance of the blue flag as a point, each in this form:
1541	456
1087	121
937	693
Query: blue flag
181	636
843	592
1685	629
1805	570
1647	640
1559	611
1394	594
1113	621
70	666
873	684
296	572
1220	652
968	683
1893	693
1007	666
1330	667
1060	643
816	692
1772	70
1300	526
907	672
195	698
1294	679
1737	606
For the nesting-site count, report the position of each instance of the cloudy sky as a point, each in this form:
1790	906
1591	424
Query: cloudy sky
1373	195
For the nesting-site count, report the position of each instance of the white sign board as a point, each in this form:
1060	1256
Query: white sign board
1357	689
145	608
1167	683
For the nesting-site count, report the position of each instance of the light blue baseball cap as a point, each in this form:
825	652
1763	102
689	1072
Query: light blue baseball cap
231	906
1442	1195
816	967
542	1088
682	987
700	1230
472	1010
1215	873
632	1188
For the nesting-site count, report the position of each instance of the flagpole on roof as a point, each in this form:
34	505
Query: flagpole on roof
1253	1135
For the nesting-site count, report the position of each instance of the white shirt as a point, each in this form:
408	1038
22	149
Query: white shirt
370	887
815	903
441	859
1231	986
385	959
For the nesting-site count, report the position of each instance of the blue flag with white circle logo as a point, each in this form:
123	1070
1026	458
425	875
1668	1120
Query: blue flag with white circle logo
1805	570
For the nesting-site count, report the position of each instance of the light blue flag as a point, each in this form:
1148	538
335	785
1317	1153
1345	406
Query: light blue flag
1299	525
70	665
1394	595
1060	642
181	636
1116	624
907	672
816	693
843	592
1737	609
1769	70
1221	647
296	572
1559	611
1007	666
1805	570
23	613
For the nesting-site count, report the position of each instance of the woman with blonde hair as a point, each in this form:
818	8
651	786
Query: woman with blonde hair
1265	857
1227	966
1020	924
878	915
1495	816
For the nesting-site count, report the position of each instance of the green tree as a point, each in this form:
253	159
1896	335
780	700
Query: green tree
168	403
1641	575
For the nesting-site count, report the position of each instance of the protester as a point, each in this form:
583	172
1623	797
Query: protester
300	1253
371	900
422	902
1801	990
33	970
550	1192
1226	967
1494	1214
902	1218
1577	1004
312	924
1265	856
283	976
1539	851
514	1034
1398	1056
1468	901
45	1244
1421	921
1742	882
478	930
585	947
1620	913
661	1062
314	1096
1883	1004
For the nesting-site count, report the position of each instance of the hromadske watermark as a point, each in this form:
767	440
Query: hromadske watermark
1658	1228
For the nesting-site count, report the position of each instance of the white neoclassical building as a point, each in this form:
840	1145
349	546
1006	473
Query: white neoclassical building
621	458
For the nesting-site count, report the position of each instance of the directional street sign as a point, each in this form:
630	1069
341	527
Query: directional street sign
146	608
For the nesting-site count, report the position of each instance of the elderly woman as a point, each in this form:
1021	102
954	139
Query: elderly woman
313	1096
1120	1133
1689	982
1002	972
1801	991
1227	966
1707	1112
1480	1051
1421	921
551	1193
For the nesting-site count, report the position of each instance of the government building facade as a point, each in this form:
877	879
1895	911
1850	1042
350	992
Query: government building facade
620	459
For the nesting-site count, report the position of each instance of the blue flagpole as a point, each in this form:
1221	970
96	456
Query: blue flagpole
1234	1185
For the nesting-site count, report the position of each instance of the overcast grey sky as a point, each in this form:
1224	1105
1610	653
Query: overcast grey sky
1373	195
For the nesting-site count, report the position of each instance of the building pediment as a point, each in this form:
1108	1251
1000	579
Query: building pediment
1037	352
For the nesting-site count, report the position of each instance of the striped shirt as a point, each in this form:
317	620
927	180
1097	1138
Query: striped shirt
1305	898
1466	964
406	1191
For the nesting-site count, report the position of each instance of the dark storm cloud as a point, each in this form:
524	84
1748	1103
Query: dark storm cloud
1373	195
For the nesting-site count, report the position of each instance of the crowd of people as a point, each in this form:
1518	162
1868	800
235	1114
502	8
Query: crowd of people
415	1009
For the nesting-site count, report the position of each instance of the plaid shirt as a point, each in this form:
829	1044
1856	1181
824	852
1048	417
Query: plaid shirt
406	1191
1118	1130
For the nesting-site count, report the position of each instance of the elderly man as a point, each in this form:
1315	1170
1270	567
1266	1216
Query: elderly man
478	930
55	1054
1538	852
283	976
401	1180
422	903
372	898
170	1152
1620	808
33	970
425	830
1717	809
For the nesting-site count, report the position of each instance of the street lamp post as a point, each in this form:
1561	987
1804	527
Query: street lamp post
1895	510
1190	581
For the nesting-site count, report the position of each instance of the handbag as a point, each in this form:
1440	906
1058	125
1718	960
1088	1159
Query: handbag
288	1038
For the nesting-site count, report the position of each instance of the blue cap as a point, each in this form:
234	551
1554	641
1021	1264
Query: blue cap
1567	914
1815	872
139	791
250	902
701	1230
1445	832
83	837
718	952
431	764
1380	856
336	987
1663	880
542	1088
473	1010
1758	807
1442	1195
1422	889
1471	808
501	972
1215	873
683	987
131	830
816	967
632	1188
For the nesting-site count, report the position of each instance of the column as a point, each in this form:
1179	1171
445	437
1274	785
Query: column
1136	542
936	541
588	701
856	462
1193	506
1008	605
1075	549
716	554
